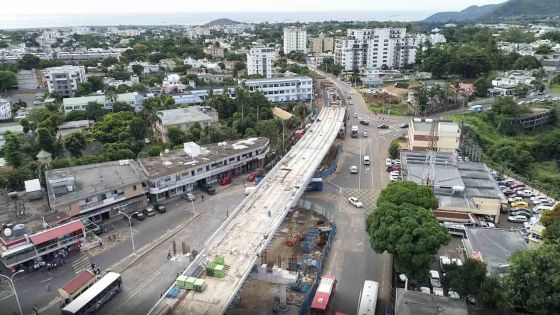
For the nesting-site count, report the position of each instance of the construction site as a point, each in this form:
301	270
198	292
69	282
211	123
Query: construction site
288	269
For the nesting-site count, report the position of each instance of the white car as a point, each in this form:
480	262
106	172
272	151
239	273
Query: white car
457	261
397	162
353	169
525	193
517	219
453	295
395	173
388	162
393	178
434	279
355	115
514	199
365	134
438	291
355	202
426	290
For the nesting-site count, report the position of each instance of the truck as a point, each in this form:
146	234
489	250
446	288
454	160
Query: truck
354	131
316	184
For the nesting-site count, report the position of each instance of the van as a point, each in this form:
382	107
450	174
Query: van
366	160
519	204
149	212
249	190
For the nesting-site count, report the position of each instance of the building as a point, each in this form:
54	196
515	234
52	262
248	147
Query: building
97	191
295	39
147	68
462	187
493	246
172	83
27	80
214	51
178	171
197	31
87	54
134	99
278	90
183	118
64	80
5	109
445	138
536	118
409	302
321	44
69	127
505	86
260	61
536	234
214	78
364	49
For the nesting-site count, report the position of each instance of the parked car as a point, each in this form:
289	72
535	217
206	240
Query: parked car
426	290
509	192
519	204
517	219
353	169
160	208
225	181
397	162
355	202
383	127
364	122
209	189
138	216
516	186
189	196
526	214
435	279
388	162
438	291
513	199
404	126
393	168
453	295
525	193
365	134
149	212
393	178
251	177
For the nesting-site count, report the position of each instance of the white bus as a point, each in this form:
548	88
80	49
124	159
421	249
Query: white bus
368	298
92	299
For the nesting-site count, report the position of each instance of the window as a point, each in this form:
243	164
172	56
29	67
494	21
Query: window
134	187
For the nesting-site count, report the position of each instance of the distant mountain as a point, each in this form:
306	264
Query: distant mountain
469	14
222	22
512	9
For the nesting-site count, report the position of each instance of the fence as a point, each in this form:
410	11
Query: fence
332	168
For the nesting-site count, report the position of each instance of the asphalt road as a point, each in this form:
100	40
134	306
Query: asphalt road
352	260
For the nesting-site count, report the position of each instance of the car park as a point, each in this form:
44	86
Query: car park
355	202
149	212
517	219
383	127
353	169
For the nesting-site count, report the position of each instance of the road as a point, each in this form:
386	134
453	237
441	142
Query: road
352	260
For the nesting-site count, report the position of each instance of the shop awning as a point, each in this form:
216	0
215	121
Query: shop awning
57	232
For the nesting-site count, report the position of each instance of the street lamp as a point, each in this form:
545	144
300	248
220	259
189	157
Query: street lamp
129	217
11	280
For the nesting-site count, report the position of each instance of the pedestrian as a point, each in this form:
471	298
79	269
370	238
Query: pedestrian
168	255
48	286
202	197
35	309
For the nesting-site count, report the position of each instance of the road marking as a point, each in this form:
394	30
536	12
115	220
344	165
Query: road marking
46	280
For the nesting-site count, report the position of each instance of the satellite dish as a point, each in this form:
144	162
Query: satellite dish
7	232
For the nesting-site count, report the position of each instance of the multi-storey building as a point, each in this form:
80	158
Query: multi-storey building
183	118
97	191
178	171
278	90
444	136
134	99
295	39
5	109
85	55
27	80
64	80
261	60
375	48
321	44
214	51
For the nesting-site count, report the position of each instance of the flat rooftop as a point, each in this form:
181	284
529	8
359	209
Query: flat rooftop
190	114
88	180
177	161
280	79
494	246
417	303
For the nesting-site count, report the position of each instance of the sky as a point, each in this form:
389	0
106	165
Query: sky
14	8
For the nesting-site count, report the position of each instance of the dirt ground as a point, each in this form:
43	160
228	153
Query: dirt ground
258	297
402	93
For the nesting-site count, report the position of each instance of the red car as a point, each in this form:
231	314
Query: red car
516	186
393	168
251	177
509	193
225	181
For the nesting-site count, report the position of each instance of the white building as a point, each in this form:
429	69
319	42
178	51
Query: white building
64	80
5	109
261	60
375	48
197	31
27	80
89	54
279	90
172	83
184	118
134	99
505	86
147	68
295	39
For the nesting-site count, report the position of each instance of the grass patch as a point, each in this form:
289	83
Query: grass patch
390	109
555	88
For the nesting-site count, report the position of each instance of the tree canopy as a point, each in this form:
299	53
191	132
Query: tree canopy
8	80
399	193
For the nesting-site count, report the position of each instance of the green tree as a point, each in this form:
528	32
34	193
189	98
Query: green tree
521	90
13	149
76	115
176	136
96	83
107	62
95	111
394	149
399	193
533	278
512	156
410	233
138	69
551	221
25	124
29	62
527	63
482	85
122	107
75	143
543	50
467	280
8	80
46	141
138	87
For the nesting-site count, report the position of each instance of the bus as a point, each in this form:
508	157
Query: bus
91	300
324	297
316	184
368	298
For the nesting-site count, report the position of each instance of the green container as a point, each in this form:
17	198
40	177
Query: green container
219	260
210	269
181	282
219	271
189	283
199	285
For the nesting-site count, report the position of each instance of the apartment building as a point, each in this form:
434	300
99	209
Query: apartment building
97	191
134	99
295	39
321	44
279	90
5	109
445	138
261	60
183	118
214	51
27	80
85	55
374	48
178	171
64	80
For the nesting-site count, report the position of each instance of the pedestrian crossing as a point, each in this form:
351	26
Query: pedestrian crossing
366	196
81	263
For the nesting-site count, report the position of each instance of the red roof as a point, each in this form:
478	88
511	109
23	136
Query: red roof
324	290
56	232
77	282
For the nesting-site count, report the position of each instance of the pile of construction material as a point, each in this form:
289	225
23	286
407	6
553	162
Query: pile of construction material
216	268
190	283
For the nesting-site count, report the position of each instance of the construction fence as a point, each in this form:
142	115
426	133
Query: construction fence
331	168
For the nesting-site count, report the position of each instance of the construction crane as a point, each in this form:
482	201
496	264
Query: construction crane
429	174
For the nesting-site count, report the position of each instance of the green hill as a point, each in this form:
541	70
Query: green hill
471	13
222	22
